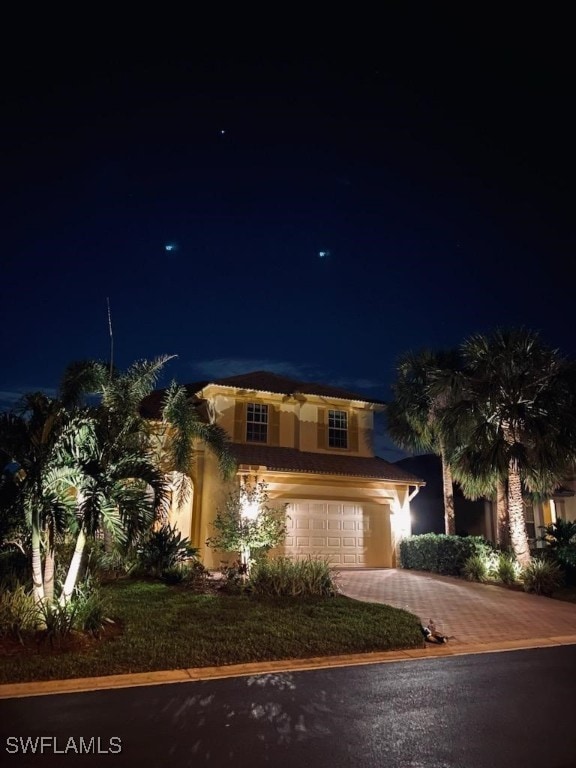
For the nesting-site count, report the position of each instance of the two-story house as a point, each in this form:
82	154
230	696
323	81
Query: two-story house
312	445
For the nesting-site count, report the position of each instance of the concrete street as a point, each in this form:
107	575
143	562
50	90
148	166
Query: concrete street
494	710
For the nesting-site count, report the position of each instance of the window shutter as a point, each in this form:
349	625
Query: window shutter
274	426
239	422
322	429
353	432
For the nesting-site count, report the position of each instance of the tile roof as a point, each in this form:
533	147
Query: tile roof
258	381
264	381
293	460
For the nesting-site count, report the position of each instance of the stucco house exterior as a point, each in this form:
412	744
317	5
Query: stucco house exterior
560	506
312	446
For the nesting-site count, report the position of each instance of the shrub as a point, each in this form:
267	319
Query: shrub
440	553
18	613
542	577
174	575
58	619
84	611
560	534
248	525
282	577
196	575
505	568
475	568
114	564
90	607
162	549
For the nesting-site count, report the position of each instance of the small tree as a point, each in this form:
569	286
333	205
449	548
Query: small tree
248	522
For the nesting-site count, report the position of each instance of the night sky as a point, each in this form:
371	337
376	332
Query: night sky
329	206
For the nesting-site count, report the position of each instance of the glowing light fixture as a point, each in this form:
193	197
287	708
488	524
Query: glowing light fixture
249	510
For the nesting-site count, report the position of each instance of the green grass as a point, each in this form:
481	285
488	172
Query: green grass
170	628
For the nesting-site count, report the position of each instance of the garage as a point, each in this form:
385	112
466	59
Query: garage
342	531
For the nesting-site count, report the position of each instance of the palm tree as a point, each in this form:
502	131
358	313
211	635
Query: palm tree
518	410
43	477
124	487
120	492
478	482
423	387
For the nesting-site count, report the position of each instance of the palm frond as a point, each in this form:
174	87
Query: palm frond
186	427
82	378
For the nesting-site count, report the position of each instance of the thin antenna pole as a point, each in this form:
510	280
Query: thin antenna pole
111	336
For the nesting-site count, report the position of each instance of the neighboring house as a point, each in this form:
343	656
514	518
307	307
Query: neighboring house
561	506
472	517
312	445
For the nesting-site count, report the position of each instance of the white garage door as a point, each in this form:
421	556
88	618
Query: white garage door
337	530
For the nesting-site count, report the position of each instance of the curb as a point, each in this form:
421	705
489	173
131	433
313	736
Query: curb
107	682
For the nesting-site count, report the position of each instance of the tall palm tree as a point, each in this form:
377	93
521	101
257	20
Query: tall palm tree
176	433
422	388
479	482
518	410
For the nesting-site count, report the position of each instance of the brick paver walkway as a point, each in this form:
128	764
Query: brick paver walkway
471	613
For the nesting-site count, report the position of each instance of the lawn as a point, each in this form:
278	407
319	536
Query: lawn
166	627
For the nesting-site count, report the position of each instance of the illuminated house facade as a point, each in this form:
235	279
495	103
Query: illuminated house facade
312	445
560	506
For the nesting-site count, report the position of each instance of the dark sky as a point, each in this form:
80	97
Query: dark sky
436	169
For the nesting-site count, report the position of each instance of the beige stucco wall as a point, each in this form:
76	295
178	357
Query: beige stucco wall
299	417
566	506
384	503
210	495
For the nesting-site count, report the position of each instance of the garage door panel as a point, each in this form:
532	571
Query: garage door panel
346	528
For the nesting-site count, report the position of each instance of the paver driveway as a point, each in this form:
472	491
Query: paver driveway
468	612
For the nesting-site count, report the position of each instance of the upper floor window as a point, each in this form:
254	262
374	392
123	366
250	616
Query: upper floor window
337	429
257	423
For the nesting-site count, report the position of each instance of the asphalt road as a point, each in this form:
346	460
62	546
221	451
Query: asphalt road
487	711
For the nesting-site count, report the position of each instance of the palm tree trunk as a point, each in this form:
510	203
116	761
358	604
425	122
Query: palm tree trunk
73	570
108	541
448	488
518	534
502	523
37	581
49	573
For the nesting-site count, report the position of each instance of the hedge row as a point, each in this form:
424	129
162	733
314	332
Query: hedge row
439	553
